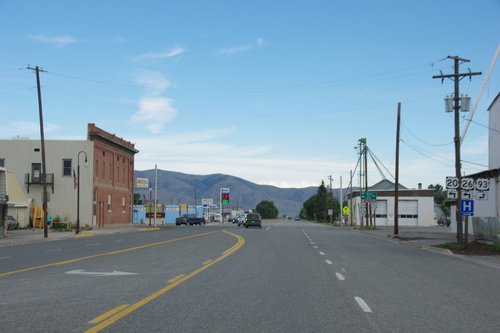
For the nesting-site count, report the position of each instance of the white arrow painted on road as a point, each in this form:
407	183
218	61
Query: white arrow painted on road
113	273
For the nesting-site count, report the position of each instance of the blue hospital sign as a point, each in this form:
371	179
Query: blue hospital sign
467	207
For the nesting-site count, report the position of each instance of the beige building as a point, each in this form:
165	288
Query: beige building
106	166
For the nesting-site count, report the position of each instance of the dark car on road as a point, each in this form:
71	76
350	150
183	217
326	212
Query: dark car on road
253	219
12	223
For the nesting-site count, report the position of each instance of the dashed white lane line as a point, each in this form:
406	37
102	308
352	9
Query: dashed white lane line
322	253
92	244
119	240
328	262
54	250
4	258
268	228
343	269
315	247
340	276
312	242
362	304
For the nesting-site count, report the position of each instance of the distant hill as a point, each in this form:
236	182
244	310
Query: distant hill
175	186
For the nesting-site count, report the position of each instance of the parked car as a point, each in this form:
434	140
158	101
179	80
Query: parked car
253	219
297	218
12	223
189	219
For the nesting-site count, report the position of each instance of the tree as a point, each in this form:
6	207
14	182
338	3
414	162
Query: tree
267	209
317	206
440	198
322	202
137	199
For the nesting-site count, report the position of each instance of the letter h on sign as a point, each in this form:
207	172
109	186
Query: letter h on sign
467	207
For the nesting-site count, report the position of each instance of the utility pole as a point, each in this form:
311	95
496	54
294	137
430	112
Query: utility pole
331	198
457	76
396	188
45	209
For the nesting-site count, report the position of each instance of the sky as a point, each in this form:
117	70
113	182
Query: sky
274	92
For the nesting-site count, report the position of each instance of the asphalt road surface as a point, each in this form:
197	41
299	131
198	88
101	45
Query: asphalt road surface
288	276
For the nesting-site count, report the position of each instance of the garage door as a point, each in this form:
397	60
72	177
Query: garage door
408	213
381	213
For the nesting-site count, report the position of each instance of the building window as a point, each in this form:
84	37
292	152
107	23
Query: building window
123	205
36	173
117	175
103	170
96	169
67	167
123	176
109	202
2	162
110	174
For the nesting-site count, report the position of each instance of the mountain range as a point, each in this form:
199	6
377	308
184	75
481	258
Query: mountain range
177	187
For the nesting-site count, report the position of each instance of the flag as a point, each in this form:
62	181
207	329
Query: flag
75	180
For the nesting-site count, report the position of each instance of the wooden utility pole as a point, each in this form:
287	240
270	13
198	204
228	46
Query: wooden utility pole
45	208
456	76
396	187
331	199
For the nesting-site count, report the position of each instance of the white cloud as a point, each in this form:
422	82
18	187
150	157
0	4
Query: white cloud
242	48
61	41
153	108
160	55
25	128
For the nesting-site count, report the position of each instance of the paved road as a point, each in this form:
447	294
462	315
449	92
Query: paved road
286	277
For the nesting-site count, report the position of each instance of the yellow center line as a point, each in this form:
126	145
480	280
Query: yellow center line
175	278
106	254
108	314
137	305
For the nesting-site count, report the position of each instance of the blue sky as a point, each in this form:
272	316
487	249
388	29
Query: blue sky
274	92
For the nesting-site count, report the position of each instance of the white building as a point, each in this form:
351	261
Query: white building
486	221
416	207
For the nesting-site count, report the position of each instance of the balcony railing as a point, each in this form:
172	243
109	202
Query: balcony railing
38	181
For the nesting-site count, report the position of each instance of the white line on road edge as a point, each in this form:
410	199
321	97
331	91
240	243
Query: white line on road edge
362	304
4	258
340	276
322	253
312	242
268	228
315	247
328	262
54	250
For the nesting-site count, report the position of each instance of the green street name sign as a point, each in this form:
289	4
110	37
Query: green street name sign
368	195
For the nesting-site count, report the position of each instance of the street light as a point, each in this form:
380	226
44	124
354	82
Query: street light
78	191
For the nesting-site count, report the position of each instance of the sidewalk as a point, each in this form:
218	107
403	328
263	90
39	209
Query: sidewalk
37	235
426	237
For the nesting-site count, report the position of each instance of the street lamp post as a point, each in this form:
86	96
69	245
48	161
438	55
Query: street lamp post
78	192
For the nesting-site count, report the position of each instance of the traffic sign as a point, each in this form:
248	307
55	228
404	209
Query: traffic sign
368	196
451	183
345	210
467	207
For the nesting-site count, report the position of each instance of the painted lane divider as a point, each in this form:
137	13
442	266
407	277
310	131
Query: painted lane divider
362	304
328	262
340	276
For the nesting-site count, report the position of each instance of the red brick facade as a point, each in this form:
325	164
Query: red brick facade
113	190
